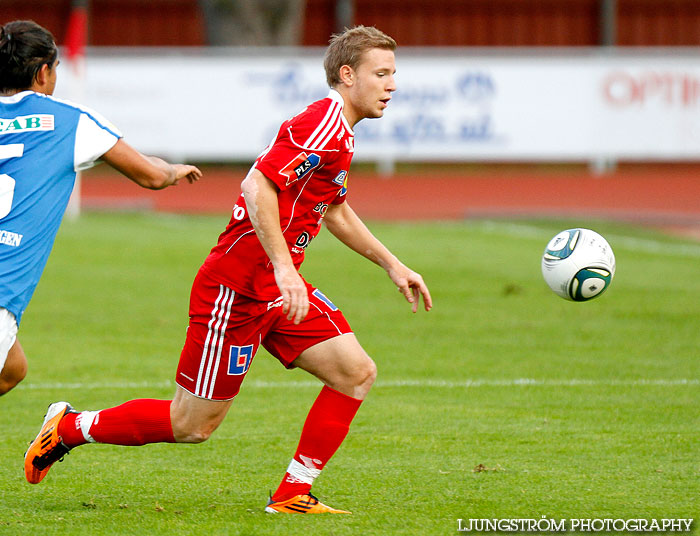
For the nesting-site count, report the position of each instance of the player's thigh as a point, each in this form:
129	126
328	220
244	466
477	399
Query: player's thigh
193	418
341	363
287	340
223	336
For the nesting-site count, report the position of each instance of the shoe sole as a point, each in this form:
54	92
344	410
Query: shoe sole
270	510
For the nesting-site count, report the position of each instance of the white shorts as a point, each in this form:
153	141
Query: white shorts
8	334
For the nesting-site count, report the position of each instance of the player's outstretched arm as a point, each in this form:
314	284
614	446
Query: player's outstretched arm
148	171
347	227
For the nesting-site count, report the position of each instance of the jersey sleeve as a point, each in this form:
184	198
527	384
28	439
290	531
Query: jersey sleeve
294	154
94	136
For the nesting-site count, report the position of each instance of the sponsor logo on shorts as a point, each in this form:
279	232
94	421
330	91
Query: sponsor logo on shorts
239	359
275	303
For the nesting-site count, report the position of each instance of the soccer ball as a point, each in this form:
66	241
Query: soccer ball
578	264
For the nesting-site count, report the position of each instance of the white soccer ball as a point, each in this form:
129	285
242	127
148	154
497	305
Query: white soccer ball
578	264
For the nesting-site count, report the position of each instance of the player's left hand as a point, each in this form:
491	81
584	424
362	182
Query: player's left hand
412	286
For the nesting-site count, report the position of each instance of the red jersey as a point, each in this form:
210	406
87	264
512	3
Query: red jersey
309	161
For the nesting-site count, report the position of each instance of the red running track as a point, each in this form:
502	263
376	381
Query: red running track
663	196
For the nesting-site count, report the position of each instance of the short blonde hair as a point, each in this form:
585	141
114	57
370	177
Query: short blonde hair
346	48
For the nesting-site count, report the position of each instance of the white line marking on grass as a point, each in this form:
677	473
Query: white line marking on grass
627	242
435	383
516	382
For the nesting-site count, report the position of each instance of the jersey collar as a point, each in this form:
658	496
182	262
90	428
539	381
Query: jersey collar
12	99
337	97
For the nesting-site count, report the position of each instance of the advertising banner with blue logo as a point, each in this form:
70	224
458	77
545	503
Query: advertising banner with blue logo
454	105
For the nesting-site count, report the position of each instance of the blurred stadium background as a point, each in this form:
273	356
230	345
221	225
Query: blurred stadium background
505	401
585	108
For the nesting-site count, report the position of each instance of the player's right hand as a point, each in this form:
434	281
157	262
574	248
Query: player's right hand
185	171
295	296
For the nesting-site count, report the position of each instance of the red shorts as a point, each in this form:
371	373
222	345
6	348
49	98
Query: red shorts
226	329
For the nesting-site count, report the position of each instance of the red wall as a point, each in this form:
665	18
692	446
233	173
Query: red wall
484	22
659	23
514	22
410	22
118	22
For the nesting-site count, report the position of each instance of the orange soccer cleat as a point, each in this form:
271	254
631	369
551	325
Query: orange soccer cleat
48	447
301	504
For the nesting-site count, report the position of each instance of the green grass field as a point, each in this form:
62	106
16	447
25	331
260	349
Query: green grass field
570	410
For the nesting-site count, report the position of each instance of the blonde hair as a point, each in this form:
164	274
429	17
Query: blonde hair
346	48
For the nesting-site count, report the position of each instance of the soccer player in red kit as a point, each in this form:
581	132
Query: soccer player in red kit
249	293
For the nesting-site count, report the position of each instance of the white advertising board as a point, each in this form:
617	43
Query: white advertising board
454	105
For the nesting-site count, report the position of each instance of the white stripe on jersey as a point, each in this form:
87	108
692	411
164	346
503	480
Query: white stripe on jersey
328	122
291	137
319	127
331	127
214	342
331	134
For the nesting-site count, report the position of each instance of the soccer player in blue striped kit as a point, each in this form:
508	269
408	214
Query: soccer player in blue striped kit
44	141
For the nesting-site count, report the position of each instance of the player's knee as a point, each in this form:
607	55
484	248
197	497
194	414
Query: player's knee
197	433
363	378
8	385
5	386
368	373
199	436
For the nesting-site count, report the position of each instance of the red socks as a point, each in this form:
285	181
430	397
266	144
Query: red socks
143	421
325	429
136	422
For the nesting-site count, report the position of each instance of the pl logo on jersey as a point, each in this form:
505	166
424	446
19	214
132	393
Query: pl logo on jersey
26	123
300	167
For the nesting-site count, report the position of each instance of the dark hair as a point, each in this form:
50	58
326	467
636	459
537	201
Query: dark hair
24	48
